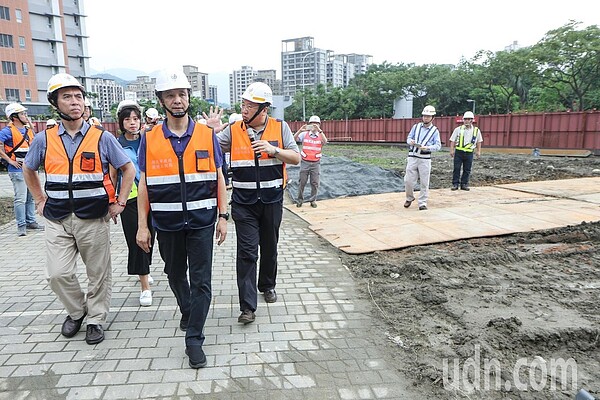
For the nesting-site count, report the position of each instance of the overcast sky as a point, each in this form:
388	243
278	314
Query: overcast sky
219	37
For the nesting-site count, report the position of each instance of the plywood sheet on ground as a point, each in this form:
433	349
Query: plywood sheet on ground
364	224
543	152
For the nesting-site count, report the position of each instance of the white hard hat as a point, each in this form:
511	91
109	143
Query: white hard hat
258	92
235	117
202	121
314	118
469	114
14	108
428	110
50	123
88	103
60	81
128	104
152	113
171	79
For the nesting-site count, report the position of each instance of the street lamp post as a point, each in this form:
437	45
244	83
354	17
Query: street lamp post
303	91
472	101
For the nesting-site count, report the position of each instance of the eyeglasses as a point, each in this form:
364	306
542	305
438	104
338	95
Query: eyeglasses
249	107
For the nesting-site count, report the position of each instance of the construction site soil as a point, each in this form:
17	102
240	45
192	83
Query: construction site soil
511	317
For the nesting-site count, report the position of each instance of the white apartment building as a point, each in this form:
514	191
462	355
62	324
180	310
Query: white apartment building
106	93
143	86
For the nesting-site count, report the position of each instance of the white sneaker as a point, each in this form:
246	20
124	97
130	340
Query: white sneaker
146	298
150	279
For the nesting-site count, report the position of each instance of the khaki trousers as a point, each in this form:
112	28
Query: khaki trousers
417	168
89	238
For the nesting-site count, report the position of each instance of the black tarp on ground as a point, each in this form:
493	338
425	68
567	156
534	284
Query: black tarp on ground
342	177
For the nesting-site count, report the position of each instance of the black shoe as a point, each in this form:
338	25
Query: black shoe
71	326
94	334
197	358
246	317
183	324
454	187
299	204
407	203
422	208
465	187
270	296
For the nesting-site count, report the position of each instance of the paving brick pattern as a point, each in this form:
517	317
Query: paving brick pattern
316	342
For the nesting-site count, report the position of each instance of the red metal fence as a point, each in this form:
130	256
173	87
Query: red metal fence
568	130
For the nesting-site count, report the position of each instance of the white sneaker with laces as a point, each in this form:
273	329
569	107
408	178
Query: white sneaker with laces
150	279
146	298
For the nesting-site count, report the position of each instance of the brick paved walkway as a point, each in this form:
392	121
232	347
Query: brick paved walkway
316	342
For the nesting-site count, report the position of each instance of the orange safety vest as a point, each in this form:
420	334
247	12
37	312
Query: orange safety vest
257	177
182	190
311	148
17	137
77	185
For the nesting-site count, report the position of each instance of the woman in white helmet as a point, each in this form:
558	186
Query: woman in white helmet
129	116
152	117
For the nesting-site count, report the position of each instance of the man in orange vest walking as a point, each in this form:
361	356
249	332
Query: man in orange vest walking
312	138
77	201
181	181
15	139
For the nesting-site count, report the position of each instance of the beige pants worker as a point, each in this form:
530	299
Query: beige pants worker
417	168
89	238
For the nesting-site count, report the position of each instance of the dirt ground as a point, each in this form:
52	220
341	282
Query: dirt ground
524	306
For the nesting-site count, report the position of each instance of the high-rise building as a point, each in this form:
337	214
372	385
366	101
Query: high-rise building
361	62
238	82
106	93
213	95
40	38
302	65
143	86
198	81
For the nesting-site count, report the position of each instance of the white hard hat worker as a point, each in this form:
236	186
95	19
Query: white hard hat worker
152	113
66	81
261	97
468	114
51	123
128	104
13	110
314	120
429	110
235	117
172	80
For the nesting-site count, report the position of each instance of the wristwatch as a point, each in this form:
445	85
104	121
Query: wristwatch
225	216
277	151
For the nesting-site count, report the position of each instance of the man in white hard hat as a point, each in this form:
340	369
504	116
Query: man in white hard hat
151	118
312	138
260	147
465	140
88	114
78	200
15	139
51	123
182	182
422	140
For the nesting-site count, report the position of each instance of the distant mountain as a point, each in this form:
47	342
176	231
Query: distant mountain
119	81
127	74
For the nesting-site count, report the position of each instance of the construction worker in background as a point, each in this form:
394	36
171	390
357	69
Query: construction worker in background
227	156
182	183
88	114
78	200
312	138
15	139
422	140
151	117
260	147
51	123
129	117
465	140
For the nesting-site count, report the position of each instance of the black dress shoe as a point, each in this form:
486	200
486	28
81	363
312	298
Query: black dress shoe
270	296
94	334
465	187
246	317
71	326
197	358
184	323
454	187
422	208
407	203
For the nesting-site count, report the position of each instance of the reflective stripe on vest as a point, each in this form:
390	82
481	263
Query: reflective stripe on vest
469	147
182	190
257	177
79	185
414	151
311	148
17	136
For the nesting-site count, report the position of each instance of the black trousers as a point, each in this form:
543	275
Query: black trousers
193	247
138	261
257	225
